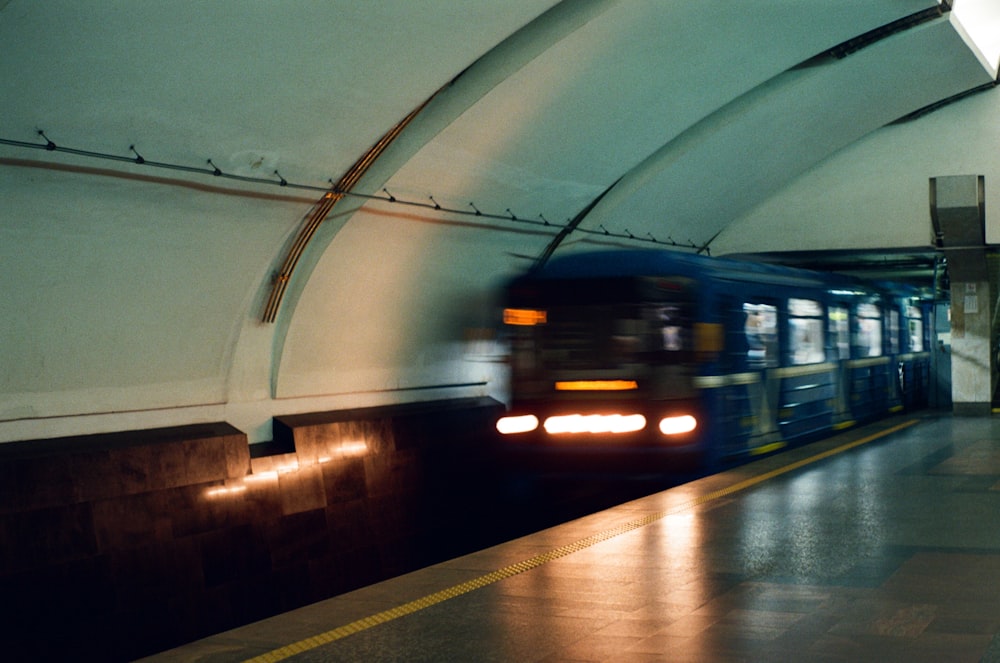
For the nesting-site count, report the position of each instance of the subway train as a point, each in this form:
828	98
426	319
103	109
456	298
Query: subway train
652	360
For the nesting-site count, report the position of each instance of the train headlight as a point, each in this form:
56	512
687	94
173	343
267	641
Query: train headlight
594	423
678	425
524	423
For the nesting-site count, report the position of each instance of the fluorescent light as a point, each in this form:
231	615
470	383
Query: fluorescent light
978	21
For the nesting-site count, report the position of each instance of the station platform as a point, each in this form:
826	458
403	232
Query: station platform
879	544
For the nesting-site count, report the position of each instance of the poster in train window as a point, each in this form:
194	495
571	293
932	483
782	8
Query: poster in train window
840	331
761	330
805	322
915	328
868	336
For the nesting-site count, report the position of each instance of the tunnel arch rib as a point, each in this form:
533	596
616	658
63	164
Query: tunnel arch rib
323	208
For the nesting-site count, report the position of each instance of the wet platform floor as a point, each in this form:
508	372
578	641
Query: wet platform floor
880	544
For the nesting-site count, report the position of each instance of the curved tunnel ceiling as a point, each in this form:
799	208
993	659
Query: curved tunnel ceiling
689	128
136	284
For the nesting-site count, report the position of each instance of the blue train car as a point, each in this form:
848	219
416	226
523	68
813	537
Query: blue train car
649	357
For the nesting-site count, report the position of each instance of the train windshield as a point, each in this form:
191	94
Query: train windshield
618	326
613	336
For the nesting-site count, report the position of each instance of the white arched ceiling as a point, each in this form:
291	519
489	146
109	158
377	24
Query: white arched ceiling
874	194
134	291
786	126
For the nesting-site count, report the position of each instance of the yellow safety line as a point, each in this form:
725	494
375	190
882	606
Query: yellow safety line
371	621
768	448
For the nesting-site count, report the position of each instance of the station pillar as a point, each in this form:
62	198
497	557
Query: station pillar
958	216
971	360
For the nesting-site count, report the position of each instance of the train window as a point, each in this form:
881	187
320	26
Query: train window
868	338
805	321
915	328
840	331
761	330
671	323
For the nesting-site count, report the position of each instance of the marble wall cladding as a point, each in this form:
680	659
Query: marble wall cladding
120	545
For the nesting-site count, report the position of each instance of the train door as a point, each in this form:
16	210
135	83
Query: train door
742	412
894	349
839	351
725	389
761	332
807	379
915	360
869	364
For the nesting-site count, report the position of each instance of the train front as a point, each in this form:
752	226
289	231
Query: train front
602	372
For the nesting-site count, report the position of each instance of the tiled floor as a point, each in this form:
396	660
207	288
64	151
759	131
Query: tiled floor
882	544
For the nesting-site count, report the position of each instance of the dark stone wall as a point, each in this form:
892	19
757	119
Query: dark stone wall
121	545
